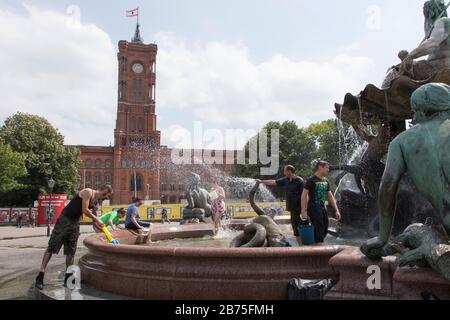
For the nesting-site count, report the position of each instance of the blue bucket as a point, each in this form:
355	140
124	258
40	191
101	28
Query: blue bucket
307	235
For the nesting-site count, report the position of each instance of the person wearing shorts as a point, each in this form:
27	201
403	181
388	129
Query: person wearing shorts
315	195
293	187
67	228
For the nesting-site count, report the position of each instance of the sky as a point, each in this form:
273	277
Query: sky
221	65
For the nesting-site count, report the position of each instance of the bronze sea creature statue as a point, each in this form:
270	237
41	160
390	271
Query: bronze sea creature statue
262	232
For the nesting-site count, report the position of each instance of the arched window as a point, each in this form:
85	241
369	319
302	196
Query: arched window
135	89
140	125
108	164
88	164
140	88
98	164
107	178
138	183
163	183
133	124
97	180
172	184
153	92
87	180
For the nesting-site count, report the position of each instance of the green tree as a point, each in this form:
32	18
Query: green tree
42	148
12	167
333	144
326	136
300	146
296	148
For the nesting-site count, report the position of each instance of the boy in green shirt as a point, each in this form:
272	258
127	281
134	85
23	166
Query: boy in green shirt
111	219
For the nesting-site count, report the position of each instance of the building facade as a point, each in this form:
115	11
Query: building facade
137	165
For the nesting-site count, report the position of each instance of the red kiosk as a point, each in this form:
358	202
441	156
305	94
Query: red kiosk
54	203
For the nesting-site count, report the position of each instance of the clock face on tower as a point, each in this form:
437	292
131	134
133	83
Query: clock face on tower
138	68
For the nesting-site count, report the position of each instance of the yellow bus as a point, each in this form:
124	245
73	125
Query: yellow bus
153	213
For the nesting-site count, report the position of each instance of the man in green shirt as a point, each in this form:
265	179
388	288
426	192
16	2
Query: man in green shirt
111	219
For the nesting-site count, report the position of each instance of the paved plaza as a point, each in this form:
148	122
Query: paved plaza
21	252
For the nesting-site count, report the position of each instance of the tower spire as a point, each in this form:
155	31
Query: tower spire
137	34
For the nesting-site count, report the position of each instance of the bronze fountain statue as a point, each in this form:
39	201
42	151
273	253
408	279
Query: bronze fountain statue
199	202
262	232
386	110
423	152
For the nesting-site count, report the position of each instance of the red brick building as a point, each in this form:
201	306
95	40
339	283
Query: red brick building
137	164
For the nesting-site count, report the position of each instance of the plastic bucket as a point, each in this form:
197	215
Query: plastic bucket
307	235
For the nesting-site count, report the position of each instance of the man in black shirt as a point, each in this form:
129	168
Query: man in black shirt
293	187
315	195
67	228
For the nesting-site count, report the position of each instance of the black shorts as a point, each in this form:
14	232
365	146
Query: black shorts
319	219
65	233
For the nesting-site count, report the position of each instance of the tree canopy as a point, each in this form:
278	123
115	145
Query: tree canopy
299	147
12	167
42	148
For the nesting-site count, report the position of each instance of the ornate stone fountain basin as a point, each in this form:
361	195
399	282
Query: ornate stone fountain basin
148	272
151	272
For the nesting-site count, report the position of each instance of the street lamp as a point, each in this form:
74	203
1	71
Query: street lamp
51	185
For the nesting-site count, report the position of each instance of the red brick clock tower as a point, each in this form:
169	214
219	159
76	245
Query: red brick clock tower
133	164
137	140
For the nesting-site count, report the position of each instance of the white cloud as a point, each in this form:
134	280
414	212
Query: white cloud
57	67
222	87
67	71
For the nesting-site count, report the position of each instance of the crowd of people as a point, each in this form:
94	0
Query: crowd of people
305	200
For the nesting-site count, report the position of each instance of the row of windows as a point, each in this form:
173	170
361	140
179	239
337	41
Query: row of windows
173	186
98	164
138	91
139	125
130	164
95	180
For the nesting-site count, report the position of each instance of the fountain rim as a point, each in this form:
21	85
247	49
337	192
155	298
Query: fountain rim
96	243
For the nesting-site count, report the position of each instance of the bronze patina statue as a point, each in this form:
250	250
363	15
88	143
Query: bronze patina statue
387	109
262	232
424	152
199	201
